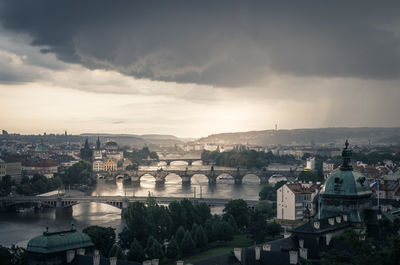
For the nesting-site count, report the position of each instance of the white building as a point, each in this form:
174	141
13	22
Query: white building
328	166
310	163
293	199
98	165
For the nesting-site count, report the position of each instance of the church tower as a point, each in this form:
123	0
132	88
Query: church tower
345	192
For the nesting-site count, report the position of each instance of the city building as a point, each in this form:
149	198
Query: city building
294	200
110	165
42	151
310	164
328	166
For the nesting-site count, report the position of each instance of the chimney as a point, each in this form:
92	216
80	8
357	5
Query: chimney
293	257
113	260
267	247
179	262
80	251
147	262
258	252
96	257
303	253
238	254
154	262
328	238
301	243
287	234
70	255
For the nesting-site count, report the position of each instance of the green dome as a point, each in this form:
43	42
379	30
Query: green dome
59	241
345	192
346	183
41	148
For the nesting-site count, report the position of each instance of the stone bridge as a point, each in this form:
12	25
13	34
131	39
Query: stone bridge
187	174
121	202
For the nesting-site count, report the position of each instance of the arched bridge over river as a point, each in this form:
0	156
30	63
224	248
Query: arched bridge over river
121	202
187	174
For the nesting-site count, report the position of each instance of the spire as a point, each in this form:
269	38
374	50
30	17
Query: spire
86	144
346	155
98	143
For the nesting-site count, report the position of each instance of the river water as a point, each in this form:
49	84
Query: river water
19	228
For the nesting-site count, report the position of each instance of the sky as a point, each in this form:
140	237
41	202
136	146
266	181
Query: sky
194	68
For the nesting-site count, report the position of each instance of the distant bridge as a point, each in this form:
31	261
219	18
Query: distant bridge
121	202
189	159
187	174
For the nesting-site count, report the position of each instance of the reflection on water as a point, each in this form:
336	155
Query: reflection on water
18	228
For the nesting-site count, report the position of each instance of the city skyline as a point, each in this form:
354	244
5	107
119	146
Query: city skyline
195	69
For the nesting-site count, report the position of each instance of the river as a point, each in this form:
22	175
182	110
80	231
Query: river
19	228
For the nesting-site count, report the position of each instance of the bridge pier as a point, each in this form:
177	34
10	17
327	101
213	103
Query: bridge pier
190	162
185	179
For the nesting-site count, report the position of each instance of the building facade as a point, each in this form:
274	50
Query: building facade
294	200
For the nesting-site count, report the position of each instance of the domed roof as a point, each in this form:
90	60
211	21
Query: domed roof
59	241
346	181
41	148
111	145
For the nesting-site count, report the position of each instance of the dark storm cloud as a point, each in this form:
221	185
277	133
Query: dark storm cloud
223	43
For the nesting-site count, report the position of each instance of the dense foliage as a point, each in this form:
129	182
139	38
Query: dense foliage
38	184
13	256
103	238
182	228
138	156
269	192
350	248
374	158
245	159
79	173
5	185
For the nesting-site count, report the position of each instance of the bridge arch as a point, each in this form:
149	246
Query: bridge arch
173	178
179	163
251	178
100	176
225	178
199	178
120	177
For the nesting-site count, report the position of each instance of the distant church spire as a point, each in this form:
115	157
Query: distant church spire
346	155
98	143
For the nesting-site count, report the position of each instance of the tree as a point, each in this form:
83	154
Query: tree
79	173
136	220
257	226
5	185
172	249
267	193
209	230
239	210
136	252
267	209
102	237
116	251
201	238
232	222
187	246
273	229
203	212
5	256
154	249
180	234
223	231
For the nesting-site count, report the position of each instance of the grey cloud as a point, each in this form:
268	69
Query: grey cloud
222	43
